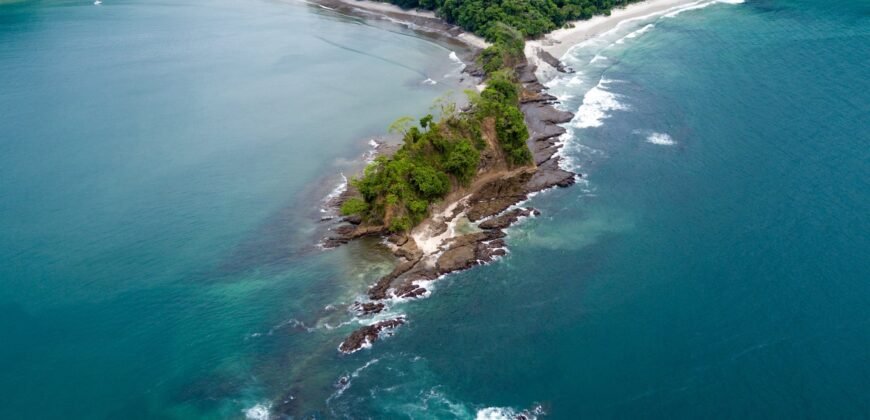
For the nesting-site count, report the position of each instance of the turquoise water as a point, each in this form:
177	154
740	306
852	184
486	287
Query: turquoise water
163	167
714	264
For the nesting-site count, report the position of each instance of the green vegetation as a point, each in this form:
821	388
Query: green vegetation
532	18
439	156
506	50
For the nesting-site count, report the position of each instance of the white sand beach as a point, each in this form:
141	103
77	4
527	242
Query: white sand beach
560	41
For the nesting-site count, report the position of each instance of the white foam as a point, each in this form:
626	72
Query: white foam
328	326
429	82
701	5
574	81
661	139
499	413
597	105
338	190
429	243
455	58
597	58
348	378
258	412
636	33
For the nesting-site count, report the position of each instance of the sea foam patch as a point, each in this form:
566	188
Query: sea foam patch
661	139
507	413
257	412
657	138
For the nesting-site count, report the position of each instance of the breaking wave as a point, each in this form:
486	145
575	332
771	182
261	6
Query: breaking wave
597	105
636	33
507	413
257	412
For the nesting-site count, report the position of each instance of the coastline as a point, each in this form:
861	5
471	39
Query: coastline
423	21
467	228
558	42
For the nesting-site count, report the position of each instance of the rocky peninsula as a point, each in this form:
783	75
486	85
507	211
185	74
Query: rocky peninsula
465	228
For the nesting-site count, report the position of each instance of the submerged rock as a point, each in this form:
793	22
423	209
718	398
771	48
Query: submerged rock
508	218
369	334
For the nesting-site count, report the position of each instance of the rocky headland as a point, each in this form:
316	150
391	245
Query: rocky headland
467	228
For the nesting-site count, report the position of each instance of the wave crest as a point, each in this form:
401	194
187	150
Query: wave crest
597	105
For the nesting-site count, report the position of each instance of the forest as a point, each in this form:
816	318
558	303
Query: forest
438	156
532	18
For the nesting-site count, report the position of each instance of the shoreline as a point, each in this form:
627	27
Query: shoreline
422	21
560	41
467	228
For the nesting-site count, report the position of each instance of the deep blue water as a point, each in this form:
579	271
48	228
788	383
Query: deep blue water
162	165
714	264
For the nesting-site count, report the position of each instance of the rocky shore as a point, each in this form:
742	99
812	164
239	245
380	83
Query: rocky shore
468	228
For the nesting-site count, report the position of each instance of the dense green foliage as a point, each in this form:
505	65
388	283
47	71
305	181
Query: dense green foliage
532	18
437	156
397	190
499	100
506	50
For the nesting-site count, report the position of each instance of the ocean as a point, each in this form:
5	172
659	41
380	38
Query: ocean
164	167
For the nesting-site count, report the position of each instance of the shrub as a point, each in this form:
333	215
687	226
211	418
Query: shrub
462	161
354	205
429	182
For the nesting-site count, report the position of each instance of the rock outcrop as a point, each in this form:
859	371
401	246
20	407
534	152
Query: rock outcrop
369	334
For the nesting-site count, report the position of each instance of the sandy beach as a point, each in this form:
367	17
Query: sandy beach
422	19
558	42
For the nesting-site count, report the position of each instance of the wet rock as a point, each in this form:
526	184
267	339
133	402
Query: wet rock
379	290
553	61
508	218
369	334
397	239
467	251
458	258
343	234
414	292
526	74
344	230
353	219
333	242
550	175
368	308
409	251
499	194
